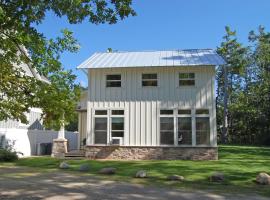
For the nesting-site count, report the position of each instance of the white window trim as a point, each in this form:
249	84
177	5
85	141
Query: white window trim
193	116
114	73
109	128
177	79
148	87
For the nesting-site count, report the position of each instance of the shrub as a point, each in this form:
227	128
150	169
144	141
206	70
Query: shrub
7	155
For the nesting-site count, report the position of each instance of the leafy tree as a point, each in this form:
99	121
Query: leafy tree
229	76
248	88
21	43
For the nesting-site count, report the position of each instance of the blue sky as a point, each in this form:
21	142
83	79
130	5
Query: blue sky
163	25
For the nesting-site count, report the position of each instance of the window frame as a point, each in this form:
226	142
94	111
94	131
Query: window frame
193	117
116	73
150	86
109	117
185	72
203	116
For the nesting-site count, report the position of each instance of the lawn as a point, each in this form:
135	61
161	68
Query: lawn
240	165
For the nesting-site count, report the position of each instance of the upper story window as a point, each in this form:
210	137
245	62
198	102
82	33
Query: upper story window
113	80
149	80
186	79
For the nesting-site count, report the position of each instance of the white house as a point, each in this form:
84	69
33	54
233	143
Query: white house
151	105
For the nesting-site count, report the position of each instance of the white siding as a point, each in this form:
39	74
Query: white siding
142	104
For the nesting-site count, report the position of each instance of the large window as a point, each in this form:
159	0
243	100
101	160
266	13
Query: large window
149	80
184	127
179	126
186	79
117	123
113	80
166	127
202	127
108	126
100	130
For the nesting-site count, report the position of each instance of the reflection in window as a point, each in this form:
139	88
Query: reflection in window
149	80
202	130
117	126
166	131
186	79
113	80
184	130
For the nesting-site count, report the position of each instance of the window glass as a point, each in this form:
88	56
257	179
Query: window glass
186	79
117	127
166	112
100	112
166	131
184	130
202	111
149	80
113	80
202	130
117	112
100	130
184	112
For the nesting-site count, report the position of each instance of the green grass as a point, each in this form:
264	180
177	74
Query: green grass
240	164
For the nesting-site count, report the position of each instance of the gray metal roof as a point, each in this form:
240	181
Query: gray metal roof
189	57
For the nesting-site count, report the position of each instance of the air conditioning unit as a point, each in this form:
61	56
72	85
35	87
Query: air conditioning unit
117	141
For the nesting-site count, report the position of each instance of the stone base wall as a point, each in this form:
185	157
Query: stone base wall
151	153
59	148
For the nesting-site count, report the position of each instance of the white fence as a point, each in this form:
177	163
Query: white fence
26	141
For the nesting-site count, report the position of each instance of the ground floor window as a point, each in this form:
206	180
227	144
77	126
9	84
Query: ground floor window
167	130
108	126
176	127
202	130
100	130
184	130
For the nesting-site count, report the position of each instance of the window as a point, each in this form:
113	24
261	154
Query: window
202	112
113	80
149	80
202	131
117	127
117	112
117	123
166	112
100	130
186	79
100	112
184	130
184	112
108	125
166	131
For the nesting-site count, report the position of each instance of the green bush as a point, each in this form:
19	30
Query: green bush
7	155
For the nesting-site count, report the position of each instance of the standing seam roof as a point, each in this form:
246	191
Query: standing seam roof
189	57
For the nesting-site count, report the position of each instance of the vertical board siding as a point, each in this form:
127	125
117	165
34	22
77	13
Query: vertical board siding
142	104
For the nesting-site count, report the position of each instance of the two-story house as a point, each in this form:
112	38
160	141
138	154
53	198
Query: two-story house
151	105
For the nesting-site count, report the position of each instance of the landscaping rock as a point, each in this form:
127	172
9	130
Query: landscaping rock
175	178
217	177
141	174
63	165
263	179
107	170
84	167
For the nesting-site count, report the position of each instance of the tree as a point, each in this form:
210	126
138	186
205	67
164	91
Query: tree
229	75
21	43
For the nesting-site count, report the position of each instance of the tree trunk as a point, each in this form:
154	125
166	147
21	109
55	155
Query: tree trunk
224	136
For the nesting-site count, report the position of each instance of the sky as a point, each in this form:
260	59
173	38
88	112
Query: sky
162	25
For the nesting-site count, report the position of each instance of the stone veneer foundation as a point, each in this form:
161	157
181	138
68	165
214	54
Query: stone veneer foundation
151	153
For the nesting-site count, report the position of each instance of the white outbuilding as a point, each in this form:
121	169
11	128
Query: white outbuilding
150	105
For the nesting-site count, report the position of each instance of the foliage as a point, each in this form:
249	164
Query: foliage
7	155
248	88
240	165
21	43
